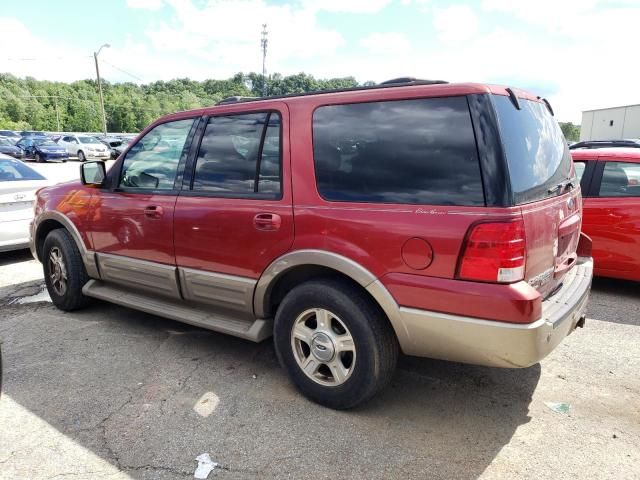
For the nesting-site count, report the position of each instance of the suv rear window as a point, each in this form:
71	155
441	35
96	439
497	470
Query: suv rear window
409	152
537	153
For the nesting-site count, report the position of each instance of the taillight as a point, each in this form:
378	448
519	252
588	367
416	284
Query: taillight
494	252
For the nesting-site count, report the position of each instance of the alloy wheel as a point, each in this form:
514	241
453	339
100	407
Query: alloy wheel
57	271
323	347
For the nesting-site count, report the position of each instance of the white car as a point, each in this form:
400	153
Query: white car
84	147
18	186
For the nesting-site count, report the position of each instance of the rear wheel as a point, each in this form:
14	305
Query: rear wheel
335	343
81	156
64	272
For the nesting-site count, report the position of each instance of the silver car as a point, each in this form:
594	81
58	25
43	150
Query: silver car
18	186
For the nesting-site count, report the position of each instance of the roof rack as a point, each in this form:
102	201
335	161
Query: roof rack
394	83
605	144
412	81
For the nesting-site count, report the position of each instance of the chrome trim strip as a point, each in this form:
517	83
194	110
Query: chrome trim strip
219	289
88	256
139	274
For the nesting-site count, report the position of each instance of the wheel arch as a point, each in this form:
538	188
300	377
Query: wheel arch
52	220
301	265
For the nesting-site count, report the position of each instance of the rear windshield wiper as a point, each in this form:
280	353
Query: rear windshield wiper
562	186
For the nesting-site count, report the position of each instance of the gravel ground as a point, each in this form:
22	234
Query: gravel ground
113	393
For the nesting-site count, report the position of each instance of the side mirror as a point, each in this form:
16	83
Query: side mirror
93	173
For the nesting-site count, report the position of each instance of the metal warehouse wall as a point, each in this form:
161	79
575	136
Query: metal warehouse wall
611	123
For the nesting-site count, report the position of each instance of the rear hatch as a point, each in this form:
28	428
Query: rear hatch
543	185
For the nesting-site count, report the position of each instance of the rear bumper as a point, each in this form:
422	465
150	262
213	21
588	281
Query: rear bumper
499	344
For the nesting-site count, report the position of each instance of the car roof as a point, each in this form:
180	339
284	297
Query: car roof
399	91
615	153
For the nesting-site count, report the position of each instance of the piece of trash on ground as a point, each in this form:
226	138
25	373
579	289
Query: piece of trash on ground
206	404
205	466
43	296
558	407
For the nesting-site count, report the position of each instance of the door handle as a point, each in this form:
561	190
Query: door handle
267	221
154	211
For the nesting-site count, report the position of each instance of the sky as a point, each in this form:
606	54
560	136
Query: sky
580	54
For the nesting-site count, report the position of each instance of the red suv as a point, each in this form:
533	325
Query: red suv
439	220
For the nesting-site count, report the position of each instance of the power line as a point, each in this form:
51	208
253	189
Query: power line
123	71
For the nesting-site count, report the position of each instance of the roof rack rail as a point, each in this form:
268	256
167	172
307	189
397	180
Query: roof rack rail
411	80
605	144
235	99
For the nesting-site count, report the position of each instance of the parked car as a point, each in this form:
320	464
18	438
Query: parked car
11	135
440	220
84	147
32	133
124	143
112	143
610	180
18	185
9	148
41	149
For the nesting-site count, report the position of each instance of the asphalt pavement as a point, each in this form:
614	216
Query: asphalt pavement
111	393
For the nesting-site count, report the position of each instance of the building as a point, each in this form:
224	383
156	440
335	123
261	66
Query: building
611	123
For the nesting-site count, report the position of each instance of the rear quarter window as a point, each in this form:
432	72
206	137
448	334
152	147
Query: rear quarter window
408	152
537	154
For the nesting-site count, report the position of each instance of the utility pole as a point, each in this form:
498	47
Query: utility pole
104	117
55	99
263	43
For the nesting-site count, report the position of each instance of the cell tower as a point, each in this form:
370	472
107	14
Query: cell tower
263	44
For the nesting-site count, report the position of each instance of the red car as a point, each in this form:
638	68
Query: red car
610	179
439	220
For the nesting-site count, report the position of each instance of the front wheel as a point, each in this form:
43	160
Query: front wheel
335	343
81	157
39	158
64	272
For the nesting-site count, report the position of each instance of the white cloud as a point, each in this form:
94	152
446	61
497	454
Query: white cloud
145	4
455	24
346	6
392	43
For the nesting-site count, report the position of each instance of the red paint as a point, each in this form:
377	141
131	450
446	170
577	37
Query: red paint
417	253
613	223
514	303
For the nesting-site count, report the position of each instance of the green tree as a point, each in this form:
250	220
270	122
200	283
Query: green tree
571	132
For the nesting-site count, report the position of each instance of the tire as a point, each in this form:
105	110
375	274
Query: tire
38	158
60	244
81	157
366	368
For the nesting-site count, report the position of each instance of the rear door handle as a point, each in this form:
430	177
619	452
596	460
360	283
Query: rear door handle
154	211
267	221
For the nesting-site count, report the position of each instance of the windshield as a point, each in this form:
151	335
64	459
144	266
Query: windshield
11	170
537	153
45	142
88	140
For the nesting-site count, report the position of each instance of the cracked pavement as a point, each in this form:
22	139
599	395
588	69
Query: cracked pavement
109	393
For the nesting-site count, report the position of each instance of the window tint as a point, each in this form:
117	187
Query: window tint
11	170
240	155
411	151
537	153
152	163
620	179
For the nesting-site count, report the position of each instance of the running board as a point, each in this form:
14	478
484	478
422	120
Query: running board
254	330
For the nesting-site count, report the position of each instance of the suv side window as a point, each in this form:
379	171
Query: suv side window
240	157
620	179
152	163
419	151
